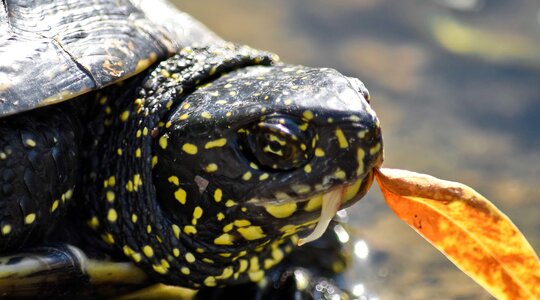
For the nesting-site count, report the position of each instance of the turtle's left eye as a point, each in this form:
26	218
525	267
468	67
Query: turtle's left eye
279	144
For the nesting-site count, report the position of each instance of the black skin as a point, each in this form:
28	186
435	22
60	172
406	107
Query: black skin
206	192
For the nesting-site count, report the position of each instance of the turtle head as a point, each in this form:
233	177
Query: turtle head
264	152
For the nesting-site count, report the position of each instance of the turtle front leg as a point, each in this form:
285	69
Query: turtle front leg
61	270
39	165
313	271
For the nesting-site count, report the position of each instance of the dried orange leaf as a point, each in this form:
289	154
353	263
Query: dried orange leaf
476	236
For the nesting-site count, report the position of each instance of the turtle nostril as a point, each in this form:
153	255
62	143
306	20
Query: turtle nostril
359	87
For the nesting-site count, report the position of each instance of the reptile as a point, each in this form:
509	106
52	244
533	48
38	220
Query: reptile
129	132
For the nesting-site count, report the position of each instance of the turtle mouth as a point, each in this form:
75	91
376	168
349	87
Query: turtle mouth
327	203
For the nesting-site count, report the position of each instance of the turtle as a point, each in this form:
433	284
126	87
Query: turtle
137	146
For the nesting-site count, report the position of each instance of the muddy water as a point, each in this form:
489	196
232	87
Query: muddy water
456	85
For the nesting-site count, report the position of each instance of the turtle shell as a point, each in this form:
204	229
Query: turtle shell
54	50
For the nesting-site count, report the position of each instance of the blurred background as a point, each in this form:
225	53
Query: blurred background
456	84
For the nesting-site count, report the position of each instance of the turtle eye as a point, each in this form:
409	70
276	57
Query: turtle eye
279	144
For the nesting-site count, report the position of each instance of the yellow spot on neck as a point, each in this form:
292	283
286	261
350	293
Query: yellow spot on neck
206	115
263	176
6	229
134	218
112	216
256	276
110	196
108	238
185	270
190	148
230	203
189	229
251	233
93	223
224	239
54	205
247	176
176	231
30	143
190	258
281	211
216	143
159	269
30	218
163	140
148	251
307	168
138	152
124	116
176	252
210	281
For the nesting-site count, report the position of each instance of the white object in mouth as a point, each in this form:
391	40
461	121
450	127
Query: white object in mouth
330	204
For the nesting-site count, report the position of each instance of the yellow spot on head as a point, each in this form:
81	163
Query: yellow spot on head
307	168
251	232
218	194
308	115
228	227
216	143
281	211
340	174
138	152
30	218
342	140
211	168
314	203
197	212
189	148
180	195
210	281
134	218
220	216
224	239
183	117
136	257
263	176
230	203
174	180
319	152
176	252
206	115
185	270
241	223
